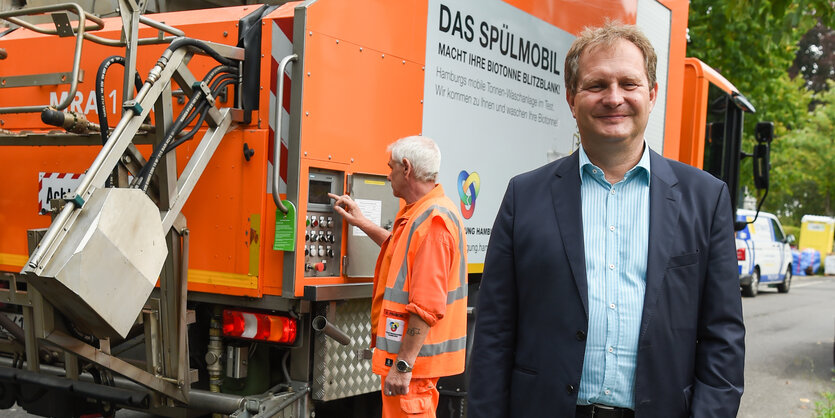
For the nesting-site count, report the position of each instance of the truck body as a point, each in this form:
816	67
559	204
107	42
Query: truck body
178	268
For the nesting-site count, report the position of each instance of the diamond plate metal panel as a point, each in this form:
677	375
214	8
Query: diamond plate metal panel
338	371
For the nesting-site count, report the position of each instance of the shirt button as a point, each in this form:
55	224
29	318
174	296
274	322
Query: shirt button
613	191
611	349
607	391
612	306
611	266
594	171
611	227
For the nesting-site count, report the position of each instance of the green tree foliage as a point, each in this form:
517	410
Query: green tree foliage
753	47
753	43
804	159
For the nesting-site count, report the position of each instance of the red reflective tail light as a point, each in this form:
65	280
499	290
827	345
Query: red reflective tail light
740	254
258	326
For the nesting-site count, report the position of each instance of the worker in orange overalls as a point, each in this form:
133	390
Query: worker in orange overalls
419	306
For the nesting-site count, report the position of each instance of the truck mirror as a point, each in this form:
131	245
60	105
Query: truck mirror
761	166
764	132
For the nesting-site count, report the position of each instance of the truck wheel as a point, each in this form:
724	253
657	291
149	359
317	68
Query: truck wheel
787	281
751	290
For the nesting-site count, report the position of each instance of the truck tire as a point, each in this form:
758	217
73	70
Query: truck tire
787	281
751	290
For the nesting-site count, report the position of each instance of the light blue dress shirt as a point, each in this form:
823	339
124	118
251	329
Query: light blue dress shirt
616	236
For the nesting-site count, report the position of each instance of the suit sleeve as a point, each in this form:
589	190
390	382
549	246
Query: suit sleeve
492	356
720	351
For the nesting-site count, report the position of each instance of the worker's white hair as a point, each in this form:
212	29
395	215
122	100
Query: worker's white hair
422	152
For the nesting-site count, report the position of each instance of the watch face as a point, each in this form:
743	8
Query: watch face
402	366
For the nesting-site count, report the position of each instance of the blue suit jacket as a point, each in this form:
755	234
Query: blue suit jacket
532	311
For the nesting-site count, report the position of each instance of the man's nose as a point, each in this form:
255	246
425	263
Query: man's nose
612	96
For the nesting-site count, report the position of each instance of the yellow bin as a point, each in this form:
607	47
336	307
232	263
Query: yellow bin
817	232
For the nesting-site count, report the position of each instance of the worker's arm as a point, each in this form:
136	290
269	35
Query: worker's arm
352	214
398	383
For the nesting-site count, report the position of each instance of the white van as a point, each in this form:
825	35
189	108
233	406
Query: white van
763	253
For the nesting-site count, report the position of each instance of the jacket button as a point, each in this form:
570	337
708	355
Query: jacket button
581	336
569	388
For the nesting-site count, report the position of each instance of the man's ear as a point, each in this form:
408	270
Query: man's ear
407	167
569	97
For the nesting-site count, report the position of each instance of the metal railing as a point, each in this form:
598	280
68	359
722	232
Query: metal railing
64	28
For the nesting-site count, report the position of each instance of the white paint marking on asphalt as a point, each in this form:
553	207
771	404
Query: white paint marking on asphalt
807	284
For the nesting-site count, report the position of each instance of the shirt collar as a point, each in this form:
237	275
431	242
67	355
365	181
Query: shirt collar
642	166
408	210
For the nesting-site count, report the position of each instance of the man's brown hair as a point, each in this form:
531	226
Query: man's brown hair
606	36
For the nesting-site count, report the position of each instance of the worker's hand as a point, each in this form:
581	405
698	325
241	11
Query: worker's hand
349	209
397	383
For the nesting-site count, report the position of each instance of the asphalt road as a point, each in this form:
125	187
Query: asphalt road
789	340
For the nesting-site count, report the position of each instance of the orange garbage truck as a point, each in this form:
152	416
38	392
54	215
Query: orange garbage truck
167	243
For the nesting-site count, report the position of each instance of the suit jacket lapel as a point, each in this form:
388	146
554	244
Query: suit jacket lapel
663	218
565	192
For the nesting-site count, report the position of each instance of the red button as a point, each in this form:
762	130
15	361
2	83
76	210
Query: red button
319	266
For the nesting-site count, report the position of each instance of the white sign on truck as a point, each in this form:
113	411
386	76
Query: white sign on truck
494	100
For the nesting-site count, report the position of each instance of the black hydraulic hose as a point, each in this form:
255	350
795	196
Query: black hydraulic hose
149	168
227	76
186	116
217	70
203	110
100	107
182	42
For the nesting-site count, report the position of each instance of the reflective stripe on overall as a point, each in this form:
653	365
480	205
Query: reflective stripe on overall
444	349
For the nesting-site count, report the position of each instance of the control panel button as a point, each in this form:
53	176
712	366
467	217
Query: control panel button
320	266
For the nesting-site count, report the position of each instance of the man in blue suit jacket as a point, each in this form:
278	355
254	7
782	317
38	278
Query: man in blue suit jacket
610	283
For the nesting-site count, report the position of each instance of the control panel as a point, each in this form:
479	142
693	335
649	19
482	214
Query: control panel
323	230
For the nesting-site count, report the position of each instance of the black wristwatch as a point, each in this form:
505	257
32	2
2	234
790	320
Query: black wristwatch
403	366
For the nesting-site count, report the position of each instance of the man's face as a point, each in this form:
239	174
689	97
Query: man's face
613	99
397	177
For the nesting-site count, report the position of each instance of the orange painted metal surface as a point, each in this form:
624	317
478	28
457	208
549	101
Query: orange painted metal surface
387	27
573	15
362	90
694	115
224	212
216	25
698	76
675	75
